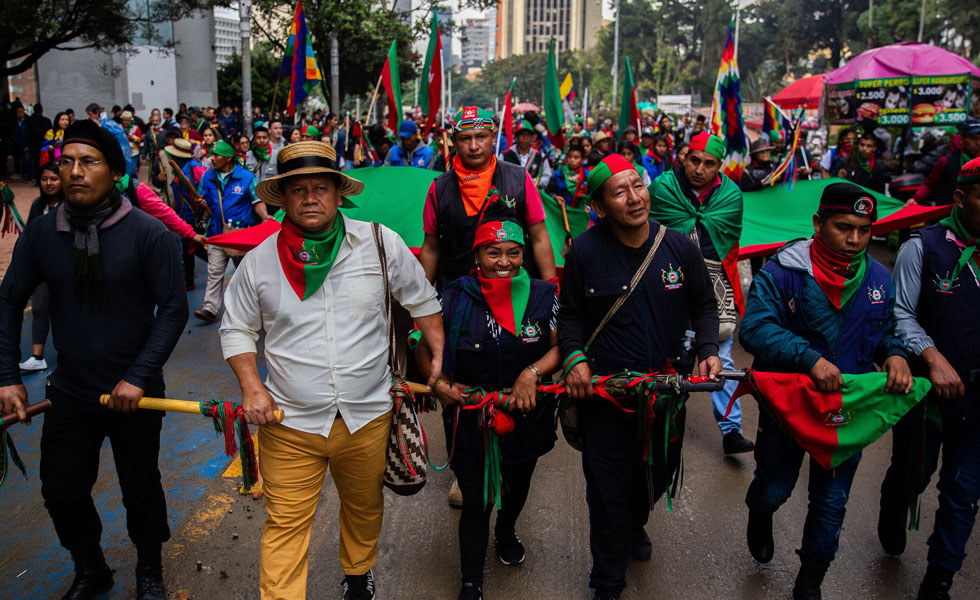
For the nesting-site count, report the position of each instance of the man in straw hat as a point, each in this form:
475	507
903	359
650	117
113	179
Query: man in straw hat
117	311
229	190
316	288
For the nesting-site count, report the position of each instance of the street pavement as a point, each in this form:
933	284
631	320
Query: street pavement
699	547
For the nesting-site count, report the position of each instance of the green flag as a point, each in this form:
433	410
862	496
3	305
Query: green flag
629	112
553	114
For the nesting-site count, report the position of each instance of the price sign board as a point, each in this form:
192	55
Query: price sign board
885	100
942	100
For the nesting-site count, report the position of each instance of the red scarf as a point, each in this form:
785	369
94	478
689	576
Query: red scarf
838	275
507	299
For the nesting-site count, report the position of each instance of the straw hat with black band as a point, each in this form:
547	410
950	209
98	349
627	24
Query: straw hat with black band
307	158
181	148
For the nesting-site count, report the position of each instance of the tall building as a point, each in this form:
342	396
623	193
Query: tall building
445	16
227	33
477	43
525	26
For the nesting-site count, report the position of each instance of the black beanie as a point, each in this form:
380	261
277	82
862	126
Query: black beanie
85	131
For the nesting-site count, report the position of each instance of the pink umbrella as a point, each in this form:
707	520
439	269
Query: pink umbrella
803	93
902	60
526	106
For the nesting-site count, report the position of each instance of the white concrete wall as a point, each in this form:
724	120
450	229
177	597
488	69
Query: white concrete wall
197	73
73	79
152	77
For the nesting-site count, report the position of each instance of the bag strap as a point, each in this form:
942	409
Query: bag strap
379	243
221	197
633	283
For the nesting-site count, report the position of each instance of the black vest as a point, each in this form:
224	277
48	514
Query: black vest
949	311
457	231
494	364
512	157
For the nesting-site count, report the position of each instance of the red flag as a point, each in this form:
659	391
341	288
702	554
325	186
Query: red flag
508	119
431	96
393	87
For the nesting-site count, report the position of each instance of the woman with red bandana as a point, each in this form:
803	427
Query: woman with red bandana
500	334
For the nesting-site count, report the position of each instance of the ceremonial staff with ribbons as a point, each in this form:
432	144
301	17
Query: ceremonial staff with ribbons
635	297
118	307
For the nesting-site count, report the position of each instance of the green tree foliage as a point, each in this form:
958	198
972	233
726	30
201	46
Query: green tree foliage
265	68
35	27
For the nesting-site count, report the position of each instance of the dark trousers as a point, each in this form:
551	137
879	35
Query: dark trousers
71	440
474	519
40	302
778	459
959	492
620	487
187	258
915	442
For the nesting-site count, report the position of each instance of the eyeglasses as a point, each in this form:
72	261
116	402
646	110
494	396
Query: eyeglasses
85	163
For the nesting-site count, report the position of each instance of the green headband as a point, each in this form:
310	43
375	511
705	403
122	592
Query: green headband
223	148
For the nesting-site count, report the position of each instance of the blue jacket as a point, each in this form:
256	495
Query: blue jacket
789	323
237	197
420	157
117	132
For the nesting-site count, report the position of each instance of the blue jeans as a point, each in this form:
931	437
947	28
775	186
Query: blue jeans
959	491
719	400
778	459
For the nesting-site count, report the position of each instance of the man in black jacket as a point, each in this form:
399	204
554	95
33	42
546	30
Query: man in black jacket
118	308
646	335
863	167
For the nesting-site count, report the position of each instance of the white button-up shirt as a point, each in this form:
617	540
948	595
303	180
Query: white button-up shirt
330	351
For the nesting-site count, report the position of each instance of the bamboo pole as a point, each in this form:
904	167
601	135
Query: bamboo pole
170	405
374	96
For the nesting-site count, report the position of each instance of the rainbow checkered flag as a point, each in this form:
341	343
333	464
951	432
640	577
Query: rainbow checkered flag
726	111
299	62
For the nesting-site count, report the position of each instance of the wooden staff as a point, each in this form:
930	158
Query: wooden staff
181	406
374	96
32	411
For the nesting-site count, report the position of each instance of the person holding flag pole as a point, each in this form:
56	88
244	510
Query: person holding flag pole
848	300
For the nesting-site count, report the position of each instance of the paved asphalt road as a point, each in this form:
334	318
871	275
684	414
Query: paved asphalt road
699	548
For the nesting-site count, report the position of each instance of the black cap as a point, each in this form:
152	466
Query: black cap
88	132
848	198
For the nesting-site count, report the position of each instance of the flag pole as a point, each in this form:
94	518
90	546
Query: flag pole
275	93
374	96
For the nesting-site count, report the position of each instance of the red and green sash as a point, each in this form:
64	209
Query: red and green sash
838	275
507	299
306	258
576	183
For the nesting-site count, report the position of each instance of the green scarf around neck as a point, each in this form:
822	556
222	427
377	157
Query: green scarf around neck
307	258
866	164
954	222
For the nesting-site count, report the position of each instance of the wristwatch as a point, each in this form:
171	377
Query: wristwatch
536	371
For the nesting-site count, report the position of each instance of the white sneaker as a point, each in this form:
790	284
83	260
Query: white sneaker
455	495
33	364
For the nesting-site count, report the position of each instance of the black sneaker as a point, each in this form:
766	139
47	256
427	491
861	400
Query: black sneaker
359	587
936	584
149	584
510	550
606	595
734	443
642	548
470	591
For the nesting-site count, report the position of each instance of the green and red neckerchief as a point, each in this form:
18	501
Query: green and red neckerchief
507	298
306	258
964	158
866	164
576	183
954	222
262	153
838	275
